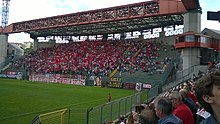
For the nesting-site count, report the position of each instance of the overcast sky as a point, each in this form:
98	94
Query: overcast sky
22	10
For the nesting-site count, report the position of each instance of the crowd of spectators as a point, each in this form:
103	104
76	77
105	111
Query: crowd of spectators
92	57
195	101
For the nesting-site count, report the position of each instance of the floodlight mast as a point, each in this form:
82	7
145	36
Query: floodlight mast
5	12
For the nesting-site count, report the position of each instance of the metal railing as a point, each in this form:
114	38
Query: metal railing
167	72
180	77
153	92
111	111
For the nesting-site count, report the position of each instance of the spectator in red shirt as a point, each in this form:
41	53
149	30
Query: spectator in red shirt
180	109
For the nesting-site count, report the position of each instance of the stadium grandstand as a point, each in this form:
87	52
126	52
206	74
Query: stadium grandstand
155	44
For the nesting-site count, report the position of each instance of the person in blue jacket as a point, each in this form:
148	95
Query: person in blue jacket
164	109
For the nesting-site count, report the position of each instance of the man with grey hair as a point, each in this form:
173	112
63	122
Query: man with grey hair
180	109
164	109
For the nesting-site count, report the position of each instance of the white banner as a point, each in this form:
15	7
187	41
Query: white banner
56	78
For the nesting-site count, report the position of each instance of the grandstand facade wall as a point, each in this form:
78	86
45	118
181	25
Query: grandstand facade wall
3	49
14	51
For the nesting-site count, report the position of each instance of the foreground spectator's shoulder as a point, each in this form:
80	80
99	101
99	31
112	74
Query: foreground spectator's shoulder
169	123
209	120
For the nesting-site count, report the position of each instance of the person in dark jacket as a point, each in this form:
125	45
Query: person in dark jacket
189	102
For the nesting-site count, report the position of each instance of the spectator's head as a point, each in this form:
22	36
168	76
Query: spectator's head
163	107
130	119
122	119
175	98
147	116
185	86
139	108
183	93
207	90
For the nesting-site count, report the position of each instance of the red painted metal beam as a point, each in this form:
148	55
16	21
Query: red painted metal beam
171	6
190	4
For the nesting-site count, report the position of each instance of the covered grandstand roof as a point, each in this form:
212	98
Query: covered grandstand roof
112	27
119	19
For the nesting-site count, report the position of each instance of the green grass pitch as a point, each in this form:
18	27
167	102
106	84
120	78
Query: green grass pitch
21	101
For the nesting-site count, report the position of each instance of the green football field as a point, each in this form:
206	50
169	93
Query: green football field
21	101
